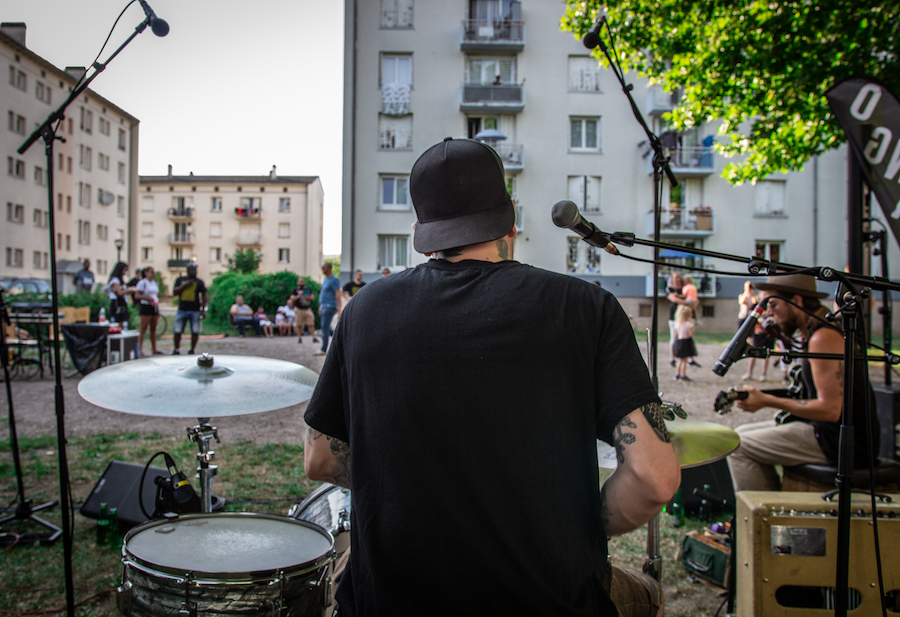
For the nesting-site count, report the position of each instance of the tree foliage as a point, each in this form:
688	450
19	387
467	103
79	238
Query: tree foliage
761	67
266	290
244	261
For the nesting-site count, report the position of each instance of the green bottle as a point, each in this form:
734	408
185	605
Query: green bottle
115	529
677	510
103	524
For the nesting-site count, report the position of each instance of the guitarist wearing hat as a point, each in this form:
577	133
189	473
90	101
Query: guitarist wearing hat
812	431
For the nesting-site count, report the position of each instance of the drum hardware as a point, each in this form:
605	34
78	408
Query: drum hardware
202	434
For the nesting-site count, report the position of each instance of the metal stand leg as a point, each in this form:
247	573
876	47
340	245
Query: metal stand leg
202	434
653	561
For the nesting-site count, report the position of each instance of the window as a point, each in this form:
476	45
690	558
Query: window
15	167
102	161
768	249
147	229
284	256
584	134
14	257
394	133
581	257
215	230
147	203
584	74
120	205
87	120
62	162
250	206
146	253
215	254
18	79
84	194
393	251
16	123
42	92
69	164
84	157
102	232
121	139
487	70
396	69
68	203
284	204
36	259
84	232
585	192
39	175
284	230
40	218
394	193
68	242
216	204
103	125
15	213
121	173
770	198
396	13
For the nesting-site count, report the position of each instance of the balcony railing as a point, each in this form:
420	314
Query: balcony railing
181	213
248	213
248	238
690	161
680	222
493	97
660	101
181	238
512	155
492	35
177	264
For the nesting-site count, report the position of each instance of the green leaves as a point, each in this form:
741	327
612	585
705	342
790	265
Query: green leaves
758	67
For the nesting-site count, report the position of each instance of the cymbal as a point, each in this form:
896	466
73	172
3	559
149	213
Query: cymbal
181	387
696	443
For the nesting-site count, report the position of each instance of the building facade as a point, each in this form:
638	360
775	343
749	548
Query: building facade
95	170
205	219
417	71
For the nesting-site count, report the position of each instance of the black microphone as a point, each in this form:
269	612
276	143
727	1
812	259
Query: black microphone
565	214
182	490
592	38
159	26
738	345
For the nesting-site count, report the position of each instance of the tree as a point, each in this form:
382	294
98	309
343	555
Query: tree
761	67
244	261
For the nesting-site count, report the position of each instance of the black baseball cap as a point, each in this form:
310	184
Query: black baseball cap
458	189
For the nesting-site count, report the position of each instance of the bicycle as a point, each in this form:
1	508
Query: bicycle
162	325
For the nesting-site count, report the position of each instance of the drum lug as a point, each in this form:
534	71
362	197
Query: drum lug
343	524
189	609
123	598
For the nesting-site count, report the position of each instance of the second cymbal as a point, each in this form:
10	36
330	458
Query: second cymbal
696	443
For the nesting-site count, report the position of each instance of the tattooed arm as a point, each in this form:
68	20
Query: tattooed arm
647	475
326	458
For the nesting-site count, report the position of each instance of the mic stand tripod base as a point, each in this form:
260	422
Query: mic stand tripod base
24	512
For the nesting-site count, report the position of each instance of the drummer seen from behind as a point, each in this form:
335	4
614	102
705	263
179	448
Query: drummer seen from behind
481	456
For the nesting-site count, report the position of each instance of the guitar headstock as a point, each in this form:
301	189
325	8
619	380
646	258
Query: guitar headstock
725	400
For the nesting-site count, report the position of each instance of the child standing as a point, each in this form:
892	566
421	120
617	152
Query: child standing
684	341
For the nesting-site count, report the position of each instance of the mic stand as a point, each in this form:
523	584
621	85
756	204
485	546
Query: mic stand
24	510
47	132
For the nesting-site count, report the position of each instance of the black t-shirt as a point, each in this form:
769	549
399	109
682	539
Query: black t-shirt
189	299
351	288
472	413
673	307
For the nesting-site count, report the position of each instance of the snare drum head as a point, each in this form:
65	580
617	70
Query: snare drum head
216	544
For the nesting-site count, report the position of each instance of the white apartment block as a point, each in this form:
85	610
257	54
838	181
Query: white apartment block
417	71
95	170
205	219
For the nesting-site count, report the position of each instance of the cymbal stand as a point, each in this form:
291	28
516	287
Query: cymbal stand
653	561
202	434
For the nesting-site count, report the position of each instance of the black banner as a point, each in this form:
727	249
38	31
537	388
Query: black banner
869	113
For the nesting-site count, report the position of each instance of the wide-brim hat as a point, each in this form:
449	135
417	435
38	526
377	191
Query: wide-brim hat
458	189
802	284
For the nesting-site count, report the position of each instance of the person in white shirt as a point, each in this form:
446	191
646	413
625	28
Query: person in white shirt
147	293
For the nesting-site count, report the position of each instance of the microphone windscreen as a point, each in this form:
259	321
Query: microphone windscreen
159	27
564	214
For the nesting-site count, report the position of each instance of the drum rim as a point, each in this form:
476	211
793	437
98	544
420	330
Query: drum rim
314	496
199	576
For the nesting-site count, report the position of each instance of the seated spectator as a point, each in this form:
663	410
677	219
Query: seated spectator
264	323
287	310
242	315
281	322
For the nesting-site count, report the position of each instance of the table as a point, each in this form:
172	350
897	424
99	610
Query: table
40	320
121	347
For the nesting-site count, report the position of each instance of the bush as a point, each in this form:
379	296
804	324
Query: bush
267	290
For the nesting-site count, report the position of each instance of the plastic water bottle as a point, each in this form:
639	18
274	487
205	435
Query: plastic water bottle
124	326
102	318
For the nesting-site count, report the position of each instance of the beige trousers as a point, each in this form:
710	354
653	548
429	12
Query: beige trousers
765	445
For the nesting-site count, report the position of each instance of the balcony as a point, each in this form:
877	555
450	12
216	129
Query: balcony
181	239
690	161
512	155
243	212
178	264
248	238
497	98
659	101
681	223
181	214
492	35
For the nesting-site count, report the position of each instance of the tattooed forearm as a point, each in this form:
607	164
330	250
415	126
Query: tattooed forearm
653	413
339	467
622	438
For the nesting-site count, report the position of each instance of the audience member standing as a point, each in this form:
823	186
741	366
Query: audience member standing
118	305
191	292
353	286
692	297
684	341
303	316
84	278
328	304
675	295
147	292
746	301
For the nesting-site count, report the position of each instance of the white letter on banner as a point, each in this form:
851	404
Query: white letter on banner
894	165
864	93
878	145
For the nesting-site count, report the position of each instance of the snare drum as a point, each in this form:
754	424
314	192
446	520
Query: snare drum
328	507
235	563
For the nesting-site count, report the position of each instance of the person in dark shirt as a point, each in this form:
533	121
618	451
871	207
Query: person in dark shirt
84	278
351	288
462	445
191	293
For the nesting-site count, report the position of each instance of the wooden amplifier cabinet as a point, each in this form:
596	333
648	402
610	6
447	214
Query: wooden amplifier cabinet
786	555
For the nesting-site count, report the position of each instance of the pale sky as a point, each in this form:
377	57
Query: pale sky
234	88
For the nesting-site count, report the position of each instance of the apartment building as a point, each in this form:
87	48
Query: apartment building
417	71
205	219
95	170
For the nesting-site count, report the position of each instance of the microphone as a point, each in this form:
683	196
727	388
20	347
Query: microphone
565	214
182	490
159	26
738	344
592	38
